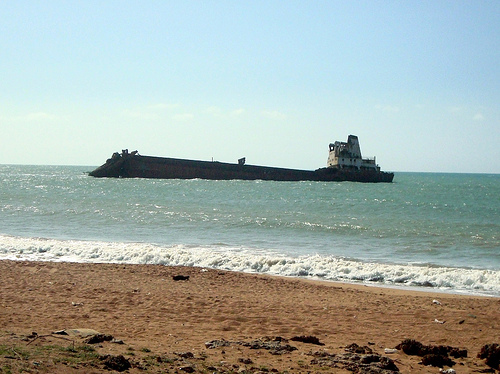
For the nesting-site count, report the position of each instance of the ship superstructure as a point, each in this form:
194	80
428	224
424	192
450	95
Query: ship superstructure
348	156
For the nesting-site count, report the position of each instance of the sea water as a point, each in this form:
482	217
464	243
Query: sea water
438	231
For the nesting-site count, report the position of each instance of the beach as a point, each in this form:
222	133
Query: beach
192	319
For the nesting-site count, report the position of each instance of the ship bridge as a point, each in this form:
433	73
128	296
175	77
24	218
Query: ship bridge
347	155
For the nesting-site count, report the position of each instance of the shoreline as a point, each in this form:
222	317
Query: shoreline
143	306
402	287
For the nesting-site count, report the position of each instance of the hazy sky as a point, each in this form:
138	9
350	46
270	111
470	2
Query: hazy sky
272	81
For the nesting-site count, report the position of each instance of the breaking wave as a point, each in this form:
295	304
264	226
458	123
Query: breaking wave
254	260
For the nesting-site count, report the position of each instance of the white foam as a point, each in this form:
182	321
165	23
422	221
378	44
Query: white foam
474	281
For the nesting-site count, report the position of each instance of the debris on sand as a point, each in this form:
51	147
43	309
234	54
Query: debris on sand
80	332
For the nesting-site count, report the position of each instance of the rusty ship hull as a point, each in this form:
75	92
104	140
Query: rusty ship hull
134	165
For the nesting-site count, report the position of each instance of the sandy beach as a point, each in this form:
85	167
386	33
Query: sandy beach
225	322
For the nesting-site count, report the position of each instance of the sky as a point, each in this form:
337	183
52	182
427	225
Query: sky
273	81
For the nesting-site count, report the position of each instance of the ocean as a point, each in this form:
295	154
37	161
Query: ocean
429	231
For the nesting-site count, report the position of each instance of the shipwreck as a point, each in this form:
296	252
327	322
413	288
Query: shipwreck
345	163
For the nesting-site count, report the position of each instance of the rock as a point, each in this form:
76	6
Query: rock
458	353
368	359
354	348
491	352
415	348
437	360
370	363
386	363
434	355
185	354
118	363
98	338
410	347
217	343
180	277
275	346
307	339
